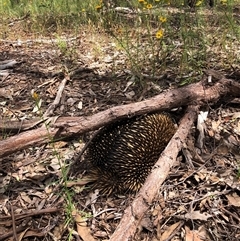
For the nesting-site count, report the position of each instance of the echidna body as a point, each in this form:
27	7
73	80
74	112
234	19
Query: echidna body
122	154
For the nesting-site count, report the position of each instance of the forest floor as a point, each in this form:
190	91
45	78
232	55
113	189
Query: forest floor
200	200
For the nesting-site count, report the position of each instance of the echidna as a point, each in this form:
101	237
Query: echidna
122	154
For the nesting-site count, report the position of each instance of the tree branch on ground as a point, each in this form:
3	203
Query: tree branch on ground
65	127
134	213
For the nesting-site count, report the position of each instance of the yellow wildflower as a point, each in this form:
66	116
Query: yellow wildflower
162	19
35	96
145	3
199	3
119	30
141	1
159	34
98	7
149	6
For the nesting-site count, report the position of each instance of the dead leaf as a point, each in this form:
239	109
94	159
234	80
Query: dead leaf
130	94
191	235
55	164
156	210
203	233
129	83
31	233
223	149
100	234
6	93
92	197
197	215
60	144
215	125
169	231
82	229
59	230
234	199
25	197
236	115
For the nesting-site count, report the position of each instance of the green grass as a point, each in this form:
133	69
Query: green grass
63	189
190	41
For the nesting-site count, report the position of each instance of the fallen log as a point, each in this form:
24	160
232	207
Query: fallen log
55	128
134	213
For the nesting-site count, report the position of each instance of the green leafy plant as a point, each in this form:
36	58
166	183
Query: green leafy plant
66	192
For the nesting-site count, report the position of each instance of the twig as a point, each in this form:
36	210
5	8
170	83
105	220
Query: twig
51	108
32	213
8	64
13	224
10	234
